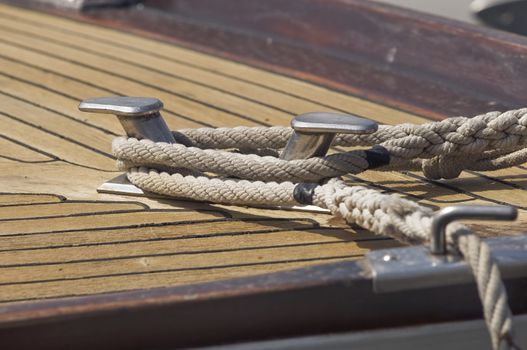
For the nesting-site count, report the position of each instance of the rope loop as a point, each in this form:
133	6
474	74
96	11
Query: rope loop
240	166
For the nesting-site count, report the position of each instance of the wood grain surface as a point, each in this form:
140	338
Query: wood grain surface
60	238
419	63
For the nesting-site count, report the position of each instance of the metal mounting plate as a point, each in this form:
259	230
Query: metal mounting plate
121	185
414	267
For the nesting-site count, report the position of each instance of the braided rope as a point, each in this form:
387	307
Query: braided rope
247	166
440	149
213	190
408	221
461	135
491	291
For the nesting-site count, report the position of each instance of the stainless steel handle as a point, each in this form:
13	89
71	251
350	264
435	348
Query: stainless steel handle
458	212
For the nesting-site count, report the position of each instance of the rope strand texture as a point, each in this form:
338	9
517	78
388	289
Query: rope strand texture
408	221
441	149
246	166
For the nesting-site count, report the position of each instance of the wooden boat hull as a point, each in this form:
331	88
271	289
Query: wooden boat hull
85	269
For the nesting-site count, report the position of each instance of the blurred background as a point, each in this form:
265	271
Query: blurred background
509	15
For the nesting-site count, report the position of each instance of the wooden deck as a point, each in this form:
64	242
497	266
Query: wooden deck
60	238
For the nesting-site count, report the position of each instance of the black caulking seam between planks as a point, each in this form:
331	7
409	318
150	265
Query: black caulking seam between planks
187	237
212	235
80	81
72	215
185	269
109	228
17	160
176	253
80	201
123	211
172	59
56	134
137	64
128	78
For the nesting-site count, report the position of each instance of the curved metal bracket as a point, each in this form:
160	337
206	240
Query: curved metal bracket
458	212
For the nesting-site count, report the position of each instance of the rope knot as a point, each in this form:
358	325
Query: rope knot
444	167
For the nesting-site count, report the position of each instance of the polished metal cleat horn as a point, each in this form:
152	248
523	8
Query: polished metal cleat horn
313	134
140	118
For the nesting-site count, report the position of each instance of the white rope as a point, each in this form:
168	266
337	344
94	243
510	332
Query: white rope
214	190
246	166
405	220
491	290
439	148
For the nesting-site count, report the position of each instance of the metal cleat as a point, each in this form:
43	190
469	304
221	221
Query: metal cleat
314	132
140	118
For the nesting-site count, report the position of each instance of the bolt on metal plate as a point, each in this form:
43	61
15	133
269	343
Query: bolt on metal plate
416	268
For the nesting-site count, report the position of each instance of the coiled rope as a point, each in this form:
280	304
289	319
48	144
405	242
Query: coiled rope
213	165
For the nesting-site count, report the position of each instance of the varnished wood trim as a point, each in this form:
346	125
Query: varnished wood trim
282	304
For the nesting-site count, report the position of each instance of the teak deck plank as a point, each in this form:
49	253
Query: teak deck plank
219	67
102	220
154	263
128	236
60	238
23	77
10	148
178	91
74	130
15	199
53	144
177	245
63	209
79	287
184	76
114	85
